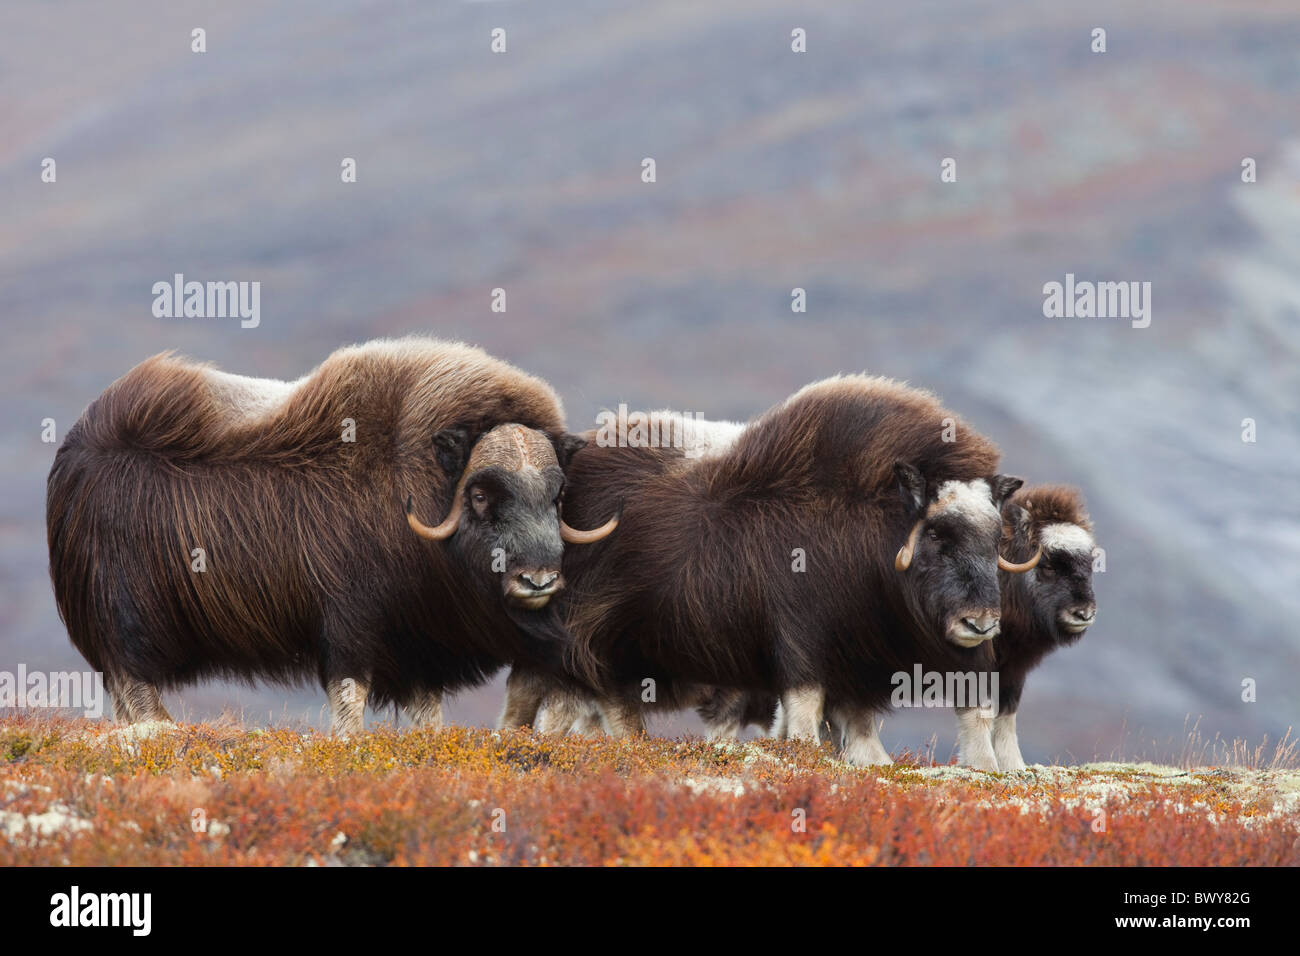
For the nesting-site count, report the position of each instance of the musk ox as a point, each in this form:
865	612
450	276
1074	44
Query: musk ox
1049	607
203	524
848	533
533	699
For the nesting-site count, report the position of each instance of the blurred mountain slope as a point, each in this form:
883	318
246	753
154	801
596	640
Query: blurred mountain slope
775	170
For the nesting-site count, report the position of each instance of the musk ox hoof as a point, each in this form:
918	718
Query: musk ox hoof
867	756
143	729
130	735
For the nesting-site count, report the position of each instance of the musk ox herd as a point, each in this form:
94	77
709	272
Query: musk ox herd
782	572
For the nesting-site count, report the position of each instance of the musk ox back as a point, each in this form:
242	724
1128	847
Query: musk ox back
202	524
839	539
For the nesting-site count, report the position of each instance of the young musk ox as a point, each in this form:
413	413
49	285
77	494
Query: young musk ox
1049	607
838	540
203	524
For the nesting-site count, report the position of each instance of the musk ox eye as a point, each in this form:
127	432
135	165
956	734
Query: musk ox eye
479	500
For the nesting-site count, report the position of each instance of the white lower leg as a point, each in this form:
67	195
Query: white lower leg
1006	744
803	707
589	723
562	710
975	740
347	698
135	701
860	737
621	718
780	728
425	710
525	692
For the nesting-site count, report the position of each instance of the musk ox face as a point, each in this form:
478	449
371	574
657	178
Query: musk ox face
1059	590
512	518
949	565
504	521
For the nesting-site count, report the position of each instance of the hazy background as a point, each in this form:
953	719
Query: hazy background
775	170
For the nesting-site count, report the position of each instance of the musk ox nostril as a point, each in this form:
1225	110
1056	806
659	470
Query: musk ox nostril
1084	615
982	624
539	580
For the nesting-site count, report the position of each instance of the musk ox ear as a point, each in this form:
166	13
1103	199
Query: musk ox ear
911	486
1017	519
1004	486
451	446
566	446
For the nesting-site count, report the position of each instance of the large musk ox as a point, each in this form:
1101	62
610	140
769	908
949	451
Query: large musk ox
1049	607
203	524
839	539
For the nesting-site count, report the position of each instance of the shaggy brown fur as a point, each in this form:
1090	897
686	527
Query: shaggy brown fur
698	588
1032	606
310	566
1032	603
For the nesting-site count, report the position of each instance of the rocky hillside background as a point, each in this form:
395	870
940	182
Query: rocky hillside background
775	170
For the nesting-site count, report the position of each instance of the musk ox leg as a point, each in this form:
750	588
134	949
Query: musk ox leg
780	728
425	710
859	737
975	739
803	708
347	698
525	692
621	718
1006	745
135	701
723	712
589	723
563	711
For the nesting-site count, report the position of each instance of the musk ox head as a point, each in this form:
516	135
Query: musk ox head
505	513
1056	597
949	564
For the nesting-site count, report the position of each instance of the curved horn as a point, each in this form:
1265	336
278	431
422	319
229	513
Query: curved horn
574	536
1006	565
444	530
903	560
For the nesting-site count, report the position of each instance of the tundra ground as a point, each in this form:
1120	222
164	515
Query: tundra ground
82	792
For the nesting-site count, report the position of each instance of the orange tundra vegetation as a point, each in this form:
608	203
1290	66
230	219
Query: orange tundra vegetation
88	793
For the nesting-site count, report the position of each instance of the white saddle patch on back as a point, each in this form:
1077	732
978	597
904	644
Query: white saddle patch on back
249	397
699	437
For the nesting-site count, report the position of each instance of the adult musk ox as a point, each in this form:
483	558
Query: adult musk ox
1049	607
203	524
840	538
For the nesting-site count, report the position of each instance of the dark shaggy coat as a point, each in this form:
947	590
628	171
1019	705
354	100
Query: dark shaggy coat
699	586
311	569
1032	603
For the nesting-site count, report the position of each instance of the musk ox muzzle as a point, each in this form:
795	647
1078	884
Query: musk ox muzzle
975	627
1077	619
